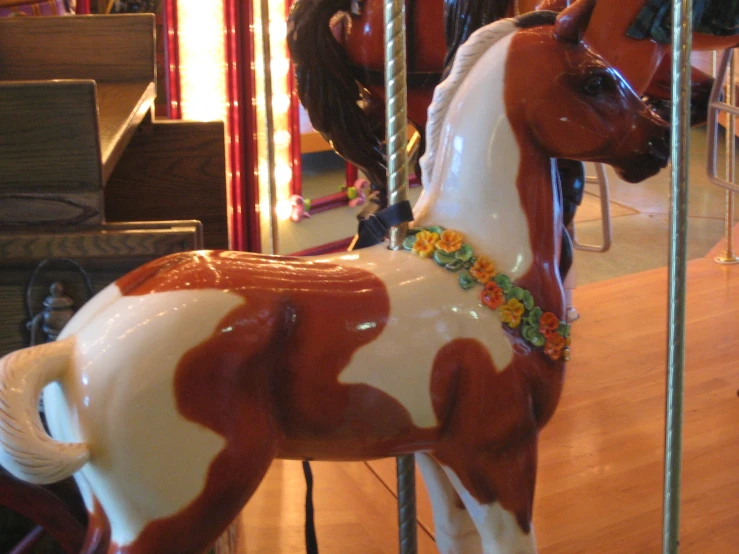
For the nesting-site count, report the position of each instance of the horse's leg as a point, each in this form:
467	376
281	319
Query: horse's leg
495	478
499	528
454	529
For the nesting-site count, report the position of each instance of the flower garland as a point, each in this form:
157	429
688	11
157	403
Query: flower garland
515	305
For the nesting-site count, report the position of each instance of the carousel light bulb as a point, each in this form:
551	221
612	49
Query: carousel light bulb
282	138
280	67
283	175
281	103
284	209
278	30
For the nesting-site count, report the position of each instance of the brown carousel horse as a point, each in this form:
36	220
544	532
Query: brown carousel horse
338	50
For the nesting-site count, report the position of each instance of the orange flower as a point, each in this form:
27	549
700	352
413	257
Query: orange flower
483	270
511	313
450	242
553	347
492	296
548	324
424	245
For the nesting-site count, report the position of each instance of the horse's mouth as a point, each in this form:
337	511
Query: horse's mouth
647	164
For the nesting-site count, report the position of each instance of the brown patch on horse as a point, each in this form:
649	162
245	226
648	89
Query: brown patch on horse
489	439
267	379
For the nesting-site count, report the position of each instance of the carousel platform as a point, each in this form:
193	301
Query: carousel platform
600	471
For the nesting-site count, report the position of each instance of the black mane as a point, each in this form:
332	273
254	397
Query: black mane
536	19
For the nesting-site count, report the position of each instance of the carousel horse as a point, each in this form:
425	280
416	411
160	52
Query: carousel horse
169	394
339	59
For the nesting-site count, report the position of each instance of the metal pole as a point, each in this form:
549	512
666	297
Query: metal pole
396	111
396	123
729	256
679	147
269	126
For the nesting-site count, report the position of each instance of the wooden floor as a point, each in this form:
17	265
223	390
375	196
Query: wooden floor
600	462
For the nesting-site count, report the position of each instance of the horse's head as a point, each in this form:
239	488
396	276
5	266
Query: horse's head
574	104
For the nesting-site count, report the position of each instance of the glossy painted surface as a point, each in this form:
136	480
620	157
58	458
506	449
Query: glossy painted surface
187	377
364	41
330	83
636	60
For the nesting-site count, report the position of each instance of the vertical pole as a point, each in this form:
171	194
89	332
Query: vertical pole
396	111
269	126
396	124
682	11
729	256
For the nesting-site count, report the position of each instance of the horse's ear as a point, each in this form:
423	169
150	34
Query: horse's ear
572	21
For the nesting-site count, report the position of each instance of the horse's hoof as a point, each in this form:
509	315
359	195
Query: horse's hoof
572	314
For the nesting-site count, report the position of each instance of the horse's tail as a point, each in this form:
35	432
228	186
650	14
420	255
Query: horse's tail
328	89
26	450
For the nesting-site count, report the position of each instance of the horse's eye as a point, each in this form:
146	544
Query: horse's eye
595	85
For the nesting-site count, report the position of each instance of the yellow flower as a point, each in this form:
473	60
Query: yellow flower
450	242
511	313
483	270
424	245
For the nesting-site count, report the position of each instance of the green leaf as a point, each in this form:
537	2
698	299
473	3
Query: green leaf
466	281
528	331
435	229
564	330
534	316
528	300
503	282
464	254
456	265
538	340
532	335
409	241
442	258
517	293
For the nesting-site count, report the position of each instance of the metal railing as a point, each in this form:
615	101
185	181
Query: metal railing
727	65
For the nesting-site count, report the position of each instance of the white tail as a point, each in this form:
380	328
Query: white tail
26	450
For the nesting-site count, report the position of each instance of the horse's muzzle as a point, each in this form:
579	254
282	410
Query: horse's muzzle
648	163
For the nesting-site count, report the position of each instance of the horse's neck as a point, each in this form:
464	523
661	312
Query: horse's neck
503	199
476	189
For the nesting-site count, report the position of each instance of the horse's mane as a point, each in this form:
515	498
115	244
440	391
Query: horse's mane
464	17
467	56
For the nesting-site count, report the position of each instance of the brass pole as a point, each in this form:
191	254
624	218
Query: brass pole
728	256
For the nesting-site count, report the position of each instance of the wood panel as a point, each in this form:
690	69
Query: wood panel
102	48
173	170
49	138
105	252
66	136
122	106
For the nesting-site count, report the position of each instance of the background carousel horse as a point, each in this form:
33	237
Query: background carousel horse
339	59
170	392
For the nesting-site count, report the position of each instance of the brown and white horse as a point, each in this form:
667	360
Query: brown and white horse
171	392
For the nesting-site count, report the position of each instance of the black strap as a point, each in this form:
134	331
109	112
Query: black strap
311	542
374	228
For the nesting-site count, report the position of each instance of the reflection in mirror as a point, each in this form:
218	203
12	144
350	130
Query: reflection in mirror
331	192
